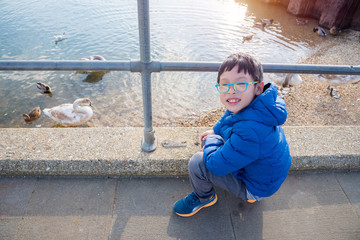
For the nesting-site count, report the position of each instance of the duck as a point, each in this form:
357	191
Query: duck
33	115
333	92
59	38
43	88
302	21
334	31
267	21
320	31
260	24
247	38
75	114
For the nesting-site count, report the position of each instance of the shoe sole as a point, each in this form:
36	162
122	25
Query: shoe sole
206	205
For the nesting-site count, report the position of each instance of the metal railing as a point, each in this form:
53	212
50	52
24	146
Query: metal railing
146	66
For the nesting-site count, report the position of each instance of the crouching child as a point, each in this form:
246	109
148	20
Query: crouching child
246	152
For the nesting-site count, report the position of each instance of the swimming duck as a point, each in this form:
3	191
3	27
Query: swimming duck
301	21
43	88
33	115
334	31
247	38
71	114
59	38
260	24
320	31
267	21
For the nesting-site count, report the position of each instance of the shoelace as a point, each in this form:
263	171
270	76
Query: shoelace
192	198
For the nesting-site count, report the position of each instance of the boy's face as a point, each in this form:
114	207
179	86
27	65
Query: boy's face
234	101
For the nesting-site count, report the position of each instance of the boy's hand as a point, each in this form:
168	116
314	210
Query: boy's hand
202	145
204	135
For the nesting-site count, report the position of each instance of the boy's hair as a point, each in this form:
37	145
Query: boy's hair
244	62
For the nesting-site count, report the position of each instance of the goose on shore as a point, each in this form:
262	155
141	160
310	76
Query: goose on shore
73	114
292	80
284	79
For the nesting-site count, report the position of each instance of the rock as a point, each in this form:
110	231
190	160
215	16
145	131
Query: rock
355	23
282	2
339	13
334	31
300	7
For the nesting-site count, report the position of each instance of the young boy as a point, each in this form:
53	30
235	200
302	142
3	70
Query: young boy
246	152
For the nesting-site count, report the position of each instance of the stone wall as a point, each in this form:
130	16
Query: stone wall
339	13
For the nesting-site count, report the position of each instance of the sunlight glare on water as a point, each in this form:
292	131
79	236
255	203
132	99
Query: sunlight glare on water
187	30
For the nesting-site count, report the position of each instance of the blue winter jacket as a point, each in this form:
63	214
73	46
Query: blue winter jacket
251	144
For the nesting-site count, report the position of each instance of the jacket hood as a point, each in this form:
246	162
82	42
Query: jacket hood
267	108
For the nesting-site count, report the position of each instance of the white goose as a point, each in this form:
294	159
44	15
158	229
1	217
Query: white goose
284	79
71	114
92	58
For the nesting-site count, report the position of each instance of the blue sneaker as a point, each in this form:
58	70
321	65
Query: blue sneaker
191	204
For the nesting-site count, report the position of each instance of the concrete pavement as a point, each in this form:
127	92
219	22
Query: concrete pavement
117	151
66	205
309	205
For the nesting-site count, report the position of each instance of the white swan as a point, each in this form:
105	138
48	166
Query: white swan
71	114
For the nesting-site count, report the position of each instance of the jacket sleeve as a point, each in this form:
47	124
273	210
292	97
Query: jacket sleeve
241	149
281	107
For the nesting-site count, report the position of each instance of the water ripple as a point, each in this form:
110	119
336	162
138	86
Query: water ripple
188	30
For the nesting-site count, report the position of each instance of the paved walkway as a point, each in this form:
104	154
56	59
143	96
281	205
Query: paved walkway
310	205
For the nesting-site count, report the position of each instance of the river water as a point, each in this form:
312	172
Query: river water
181	30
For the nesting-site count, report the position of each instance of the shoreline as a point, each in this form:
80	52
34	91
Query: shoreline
310	103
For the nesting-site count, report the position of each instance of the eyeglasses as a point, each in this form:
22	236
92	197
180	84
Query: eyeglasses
239	87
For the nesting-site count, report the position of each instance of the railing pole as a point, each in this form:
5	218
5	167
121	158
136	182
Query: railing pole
149	141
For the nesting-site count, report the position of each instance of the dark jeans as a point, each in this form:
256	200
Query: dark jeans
203	181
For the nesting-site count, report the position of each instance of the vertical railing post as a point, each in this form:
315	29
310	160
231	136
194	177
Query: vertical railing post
149	141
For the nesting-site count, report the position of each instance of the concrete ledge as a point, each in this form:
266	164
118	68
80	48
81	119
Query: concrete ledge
117	151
